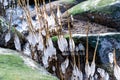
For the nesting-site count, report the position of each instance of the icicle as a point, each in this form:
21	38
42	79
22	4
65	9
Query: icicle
51	21
81	47
110	56
117	72
49	42
17	43
36	25
24	26
64	65
26	49
102	72
1	1
52	53
116	67
92	68
72	19
87	70
71	45
40	46
96	77
48	55
7	37
45	59
76	74
106	76
92	78
87	66
58	12
31	39
45	15
43	32
5	3
59	15
62	43
53	68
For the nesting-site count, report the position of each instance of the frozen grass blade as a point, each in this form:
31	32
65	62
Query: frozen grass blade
71	42
93	65
62	42
87	45
50	6
87	66
59	18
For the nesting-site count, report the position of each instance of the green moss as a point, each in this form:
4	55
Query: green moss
89	5
13	68
55	38
68	1
105	2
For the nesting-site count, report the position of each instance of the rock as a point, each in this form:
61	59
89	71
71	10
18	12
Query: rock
64	4
14	66
105	12
2	10
107	42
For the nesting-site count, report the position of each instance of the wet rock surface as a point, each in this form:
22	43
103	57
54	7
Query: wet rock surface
103	12
79	27
108	16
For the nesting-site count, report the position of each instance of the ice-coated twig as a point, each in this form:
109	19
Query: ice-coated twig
93	65
87	66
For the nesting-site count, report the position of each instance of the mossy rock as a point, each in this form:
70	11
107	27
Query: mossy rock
105	12
13	67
